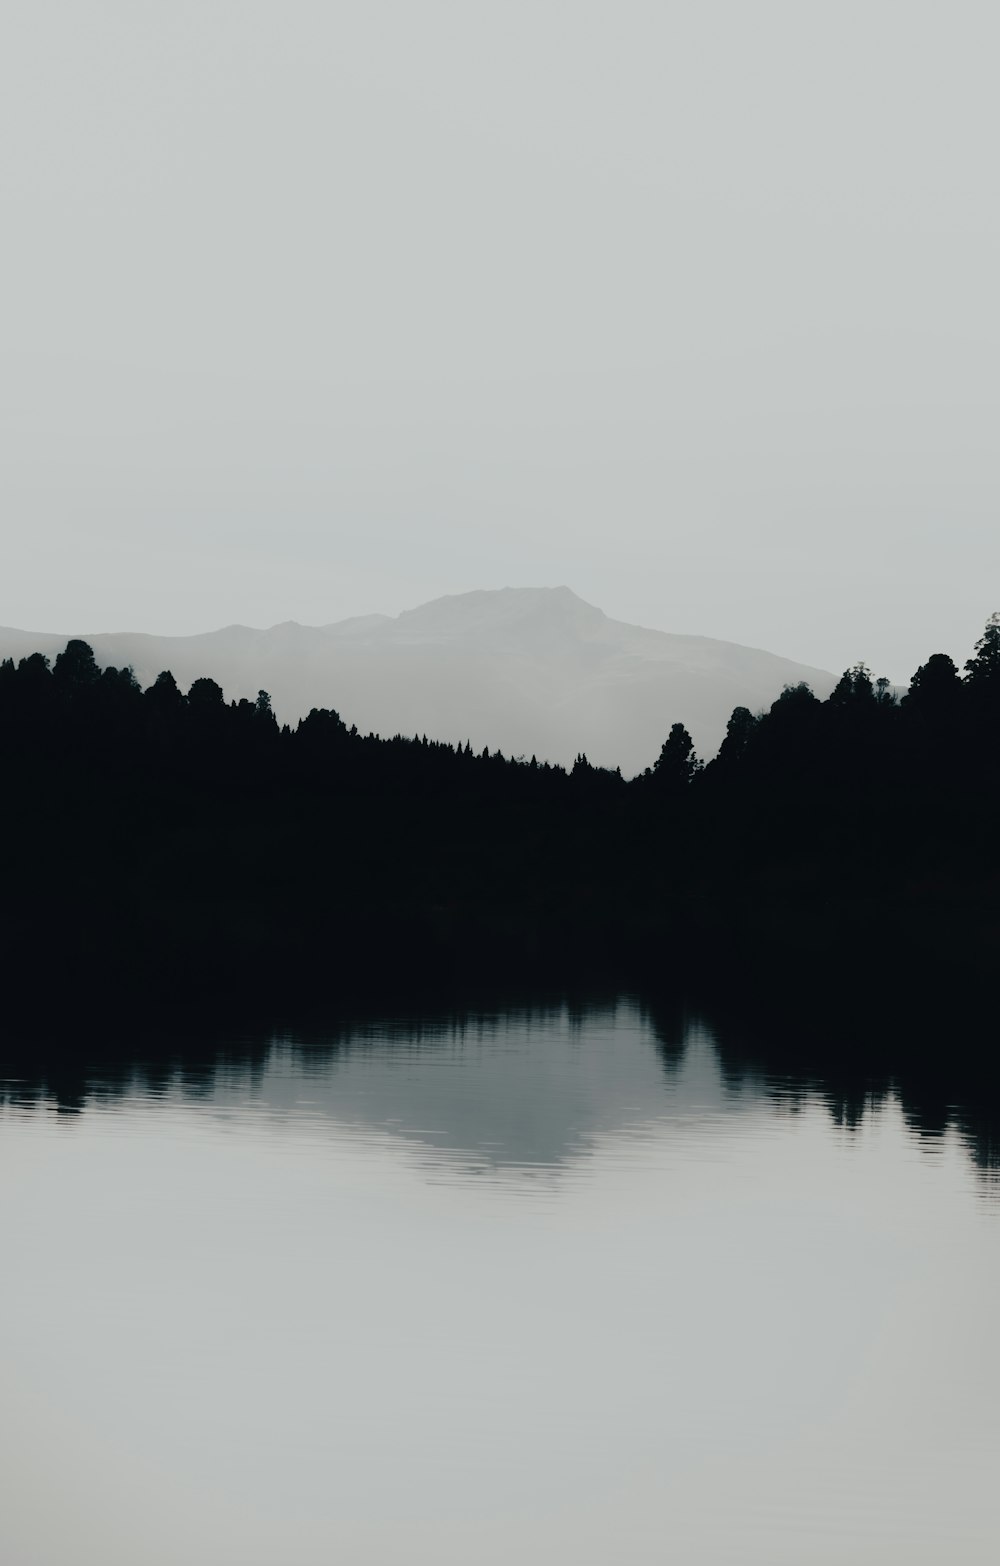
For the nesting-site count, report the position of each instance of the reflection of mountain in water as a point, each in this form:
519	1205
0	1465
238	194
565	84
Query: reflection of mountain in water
536	1089
516	1091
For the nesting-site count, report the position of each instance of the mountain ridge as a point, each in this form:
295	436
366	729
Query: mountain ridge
526	670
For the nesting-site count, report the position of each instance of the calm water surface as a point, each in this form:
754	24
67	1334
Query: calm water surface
529	1288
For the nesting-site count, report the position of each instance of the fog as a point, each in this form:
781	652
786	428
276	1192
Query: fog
314	311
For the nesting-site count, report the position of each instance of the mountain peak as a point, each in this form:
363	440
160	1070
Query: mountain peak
493	610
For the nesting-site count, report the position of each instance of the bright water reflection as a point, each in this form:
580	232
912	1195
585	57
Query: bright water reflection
538	1287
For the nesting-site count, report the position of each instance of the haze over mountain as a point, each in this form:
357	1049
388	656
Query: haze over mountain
533	671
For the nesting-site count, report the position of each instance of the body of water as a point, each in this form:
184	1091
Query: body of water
533	1287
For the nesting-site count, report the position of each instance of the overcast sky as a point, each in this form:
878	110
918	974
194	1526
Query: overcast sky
314	309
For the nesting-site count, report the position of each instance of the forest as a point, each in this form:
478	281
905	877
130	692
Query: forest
162	847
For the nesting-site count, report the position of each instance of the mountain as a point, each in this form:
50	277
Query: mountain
533	671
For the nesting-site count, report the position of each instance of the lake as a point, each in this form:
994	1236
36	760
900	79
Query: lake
581	1285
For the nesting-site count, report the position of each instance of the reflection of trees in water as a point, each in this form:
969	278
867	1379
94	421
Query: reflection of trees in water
852	1054
192	1060
937	1060
69	1076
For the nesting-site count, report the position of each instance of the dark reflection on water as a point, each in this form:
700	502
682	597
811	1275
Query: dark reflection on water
940	1060
941	1066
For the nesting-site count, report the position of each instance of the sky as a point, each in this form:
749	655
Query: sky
321	309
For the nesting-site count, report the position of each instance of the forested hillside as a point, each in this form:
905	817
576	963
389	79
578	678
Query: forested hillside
159	843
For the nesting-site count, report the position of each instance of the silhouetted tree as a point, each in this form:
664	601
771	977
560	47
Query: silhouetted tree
982	687
164	696
982	672
206	696
75	669
34	675
677	763
935	692
32	693
787	731
854	688
122	681
117	705
739	732
884	693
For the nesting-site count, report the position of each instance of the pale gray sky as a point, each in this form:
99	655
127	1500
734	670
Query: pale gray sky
312	309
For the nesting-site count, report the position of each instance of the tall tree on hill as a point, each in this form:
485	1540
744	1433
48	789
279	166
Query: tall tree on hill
982	672
677	763
854	688
935	693
75	669
739	732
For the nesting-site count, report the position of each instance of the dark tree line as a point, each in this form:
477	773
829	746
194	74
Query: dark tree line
161	843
